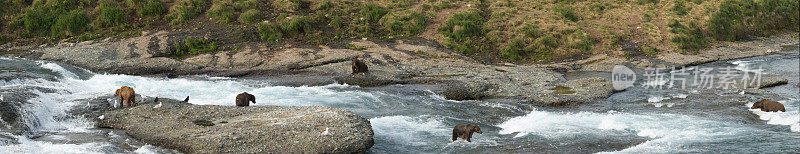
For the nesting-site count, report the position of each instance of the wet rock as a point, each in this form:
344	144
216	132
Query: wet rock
466	91
771	82
255	129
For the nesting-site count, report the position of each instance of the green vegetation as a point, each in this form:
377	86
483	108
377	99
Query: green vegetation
403	23
190	47
737	19
567	13
540	44
184	10
70	24
270	32
464	32
688	38
250	16
489	31
221	11
147	8
372	12
680	8
109	13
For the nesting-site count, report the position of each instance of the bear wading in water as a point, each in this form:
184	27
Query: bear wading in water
768	106
465	131
358	66
244	99
126	95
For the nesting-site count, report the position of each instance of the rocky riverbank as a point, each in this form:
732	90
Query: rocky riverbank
228	129
400	61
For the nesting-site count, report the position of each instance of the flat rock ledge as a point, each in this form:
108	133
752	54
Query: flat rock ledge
256	129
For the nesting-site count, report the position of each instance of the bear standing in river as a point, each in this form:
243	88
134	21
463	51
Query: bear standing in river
358	66
768	106
465	131
244	99
126	94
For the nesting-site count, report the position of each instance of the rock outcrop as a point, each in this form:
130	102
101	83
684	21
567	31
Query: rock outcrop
230	129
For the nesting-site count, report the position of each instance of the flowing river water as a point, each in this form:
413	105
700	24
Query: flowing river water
414	119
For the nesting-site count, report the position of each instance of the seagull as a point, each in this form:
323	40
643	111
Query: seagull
101	117
157	106
326	132
741	93
1	97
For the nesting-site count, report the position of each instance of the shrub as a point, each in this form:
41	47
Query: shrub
464	31
728	23
372	12
109	13
687	38
148	8
269	32
191	47
679	7
250	16
221	12
185	10
293	26
72	23
40	16
403	23
567	13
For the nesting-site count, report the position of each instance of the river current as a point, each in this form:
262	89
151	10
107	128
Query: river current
414	119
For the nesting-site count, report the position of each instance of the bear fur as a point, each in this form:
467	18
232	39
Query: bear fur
768	106
465	131
358	66
126	95
244	99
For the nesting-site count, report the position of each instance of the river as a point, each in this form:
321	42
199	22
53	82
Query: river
414	119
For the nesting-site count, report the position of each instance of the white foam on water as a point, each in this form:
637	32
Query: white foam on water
680	96
29	146
790	118
147	149
668	132
411	130
57	68
655	99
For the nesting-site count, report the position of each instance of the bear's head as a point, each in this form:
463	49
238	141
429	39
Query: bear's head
758	104
476	129
252	98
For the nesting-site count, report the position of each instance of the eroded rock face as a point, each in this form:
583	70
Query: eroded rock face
255	129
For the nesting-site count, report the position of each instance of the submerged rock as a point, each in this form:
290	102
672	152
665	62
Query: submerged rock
256	129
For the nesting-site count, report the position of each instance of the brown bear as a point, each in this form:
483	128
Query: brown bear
358	66
465	131
769	106
244	99
127	95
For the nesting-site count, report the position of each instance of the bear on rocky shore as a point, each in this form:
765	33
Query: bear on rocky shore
244	99
126	95
358	66
768	106
465	131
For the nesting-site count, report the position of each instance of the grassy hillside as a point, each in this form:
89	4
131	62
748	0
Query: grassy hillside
492	31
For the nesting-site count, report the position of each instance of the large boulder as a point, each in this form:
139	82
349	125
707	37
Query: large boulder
256	129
